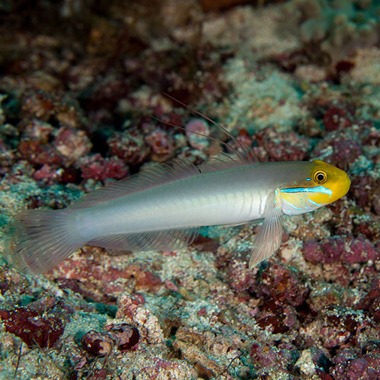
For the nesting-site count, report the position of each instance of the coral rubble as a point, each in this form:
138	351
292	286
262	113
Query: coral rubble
82	104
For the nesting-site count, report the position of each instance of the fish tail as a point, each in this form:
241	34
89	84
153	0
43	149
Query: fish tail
37	240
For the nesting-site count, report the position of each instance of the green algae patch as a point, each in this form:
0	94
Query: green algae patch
83	322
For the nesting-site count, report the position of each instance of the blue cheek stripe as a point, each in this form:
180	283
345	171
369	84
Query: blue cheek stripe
314	203
293	206
317	189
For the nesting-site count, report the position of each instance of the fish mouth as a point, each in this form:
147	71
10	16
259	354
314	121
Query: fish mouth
341	187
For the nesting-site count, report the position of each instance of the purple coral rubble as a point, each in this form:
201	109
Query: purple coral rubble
100	168
76	114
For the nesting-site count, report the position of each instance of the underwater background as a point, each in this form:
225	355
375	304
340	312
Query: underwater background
82	84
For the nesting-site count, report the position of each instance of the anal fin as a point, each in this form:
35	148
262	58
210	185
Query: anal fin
147	241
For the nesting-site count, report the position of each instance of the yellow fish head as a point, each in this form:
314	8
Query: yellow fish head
322	184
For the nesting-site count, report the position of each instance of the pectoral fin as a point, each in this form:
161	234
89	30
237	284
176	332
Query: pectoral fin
269	238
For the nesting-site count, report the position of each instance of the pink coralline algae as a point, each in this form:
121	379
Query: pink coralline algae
50	107
337	118
37	130
46	173
338	149
106	282
348	250
100	168
97	344
325	295
269	357
340	326
283	285
37	104
197	131
371	301
283	146
277	318
33	327
134	313
158	368
161	145
125	336
365	190
243	144
239	277
72	144
129	146
37	153
348	364
120	335
41	144
370	229
283	291
106	94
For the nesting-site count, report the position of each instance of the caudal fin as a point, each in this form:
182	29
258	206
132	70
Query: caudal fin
38	240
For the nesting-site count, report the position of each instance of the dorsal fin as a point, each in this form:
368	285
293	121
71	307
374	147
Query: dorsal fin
150	177
154	176
221	162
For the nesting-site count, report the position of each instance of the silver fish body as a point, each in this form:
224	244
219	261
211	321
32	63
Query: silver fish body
162	208
228	196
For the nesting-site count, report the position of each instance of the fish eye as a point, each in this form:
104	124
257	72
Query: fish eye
320	177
